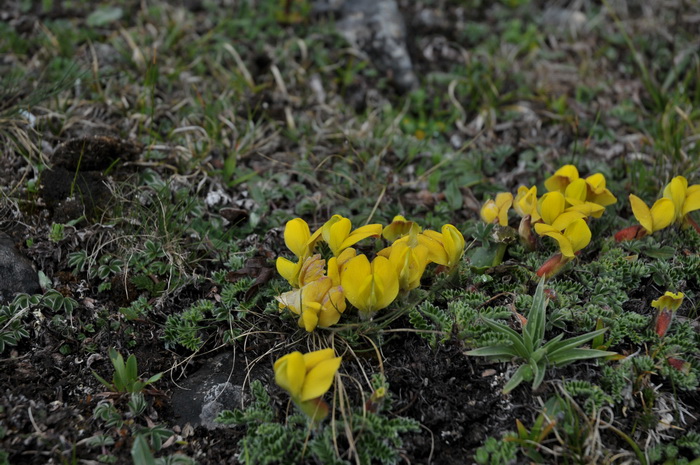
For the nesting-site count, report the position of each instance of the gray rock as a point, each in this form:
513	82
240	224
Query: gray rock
377	28
17	274
216	386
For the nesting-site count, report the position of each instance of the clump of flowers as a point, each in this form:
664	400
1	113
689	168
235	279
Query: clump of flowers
323	288
307	377
562	213
674	207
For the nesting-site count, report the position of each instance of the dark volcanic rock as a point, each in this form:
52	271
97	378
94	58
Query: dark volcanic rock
16	272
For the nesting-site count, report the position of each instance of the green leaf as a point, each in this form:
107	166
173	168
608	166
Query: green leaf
132	371
104	16
555	347
141	452
578	354
536	318
539	370
514	337
493	351
523	373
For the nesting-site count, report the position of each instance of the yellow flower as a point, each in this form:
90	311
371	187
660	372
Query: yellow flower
297	238
597	192
576	193
553	211
318	303
306	377
575	237
561	178
496	211
525	203
668	301
399	227
655	219
409	261
685	199
667	305
444	248
369	287
336	233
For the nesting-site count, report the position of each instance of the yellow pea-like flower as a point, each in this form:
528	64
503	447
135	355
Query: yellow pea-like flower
561	178
656	218
338	235
668	301
306	377
553	211
575	237
685	199
496	211
318	303
370	286
400	227
409	262
525	203
298	239
597	192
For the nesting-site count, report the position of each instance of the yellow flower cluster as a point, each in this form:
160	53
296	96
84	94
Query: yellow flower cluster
562	213
322	287
677	202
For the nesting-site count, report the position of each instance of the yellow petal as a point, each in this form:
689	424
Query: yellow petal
333	305
565	219
290	372
319	379
308	319
603	199
596	183
577	190
675	190
561	178
399	227
453	242
311	359
386	283
587	209
551	205
356	280
288	270
432	240
525	202
668	301
641	211
311	270
564	244
579	234
489	211
370	230
291	300
335	231
662	213
692	200
296	237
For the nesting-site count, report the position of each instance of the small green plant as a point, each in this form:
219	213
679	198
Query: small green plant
376	437
126	375
146	439
530	348
496	451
